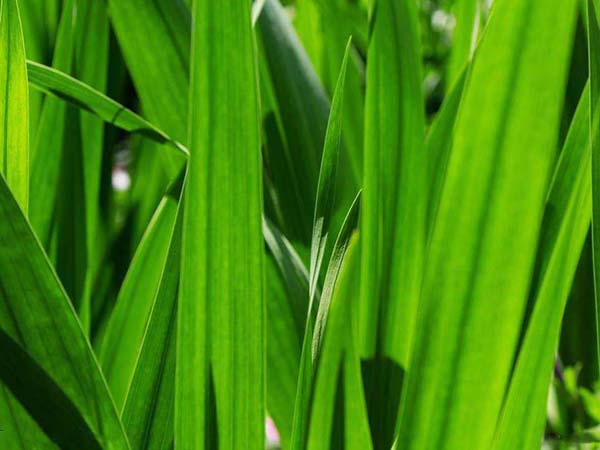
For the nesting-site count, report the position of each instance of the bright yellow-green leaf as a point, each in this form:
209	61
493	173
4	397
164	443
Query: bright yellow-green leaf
14	104
484	241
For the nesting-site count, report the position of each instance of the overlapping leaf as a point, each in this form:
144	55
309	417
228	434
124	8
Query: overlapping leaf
484	240
48	346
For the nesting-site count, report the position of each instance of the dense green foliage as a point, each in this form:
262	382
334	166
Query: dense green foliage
355	224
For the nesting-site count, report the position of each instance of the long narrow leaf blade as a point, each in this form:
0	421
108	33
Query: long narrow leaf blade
148	415
565	227
14	104
594	68
124	334
154	37
314	330
327	177
393	215
484	241
47	153
330	424
38	316
221	332
84	96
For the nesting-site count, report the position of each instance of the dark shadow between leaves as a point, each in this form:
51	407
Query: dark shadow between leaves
382	382
43	399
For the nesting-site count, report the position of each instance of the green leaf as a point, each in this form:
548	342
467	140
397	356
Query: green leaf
354	102
40	19
307	23
333	269
125	330
221	331
394	209
316	323
564	229
154	37
301	108
484	241
283	351
464	36
47	154
84	96
594	68
579	321
331	425
149	409
14	101
56	414
292	269
287	302
327	178
393	227
37	316
439	143
15	421
91	65
324	206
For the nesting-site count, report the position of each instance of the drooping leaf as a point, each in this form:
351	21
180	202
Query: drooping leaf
301	108
84	96
287	302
